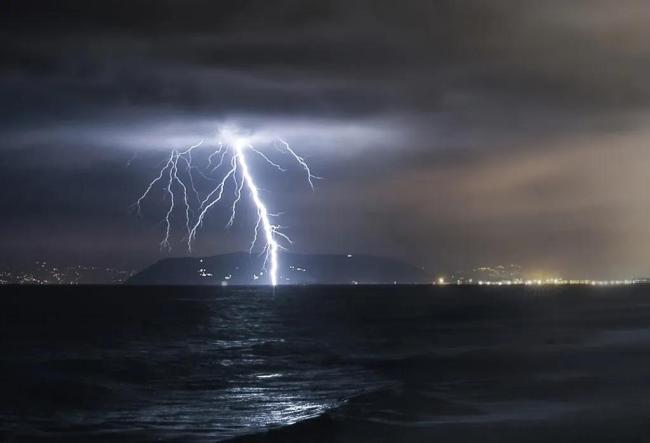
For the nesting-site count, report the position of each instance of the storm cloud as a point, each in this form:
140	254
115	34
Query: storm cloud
450	133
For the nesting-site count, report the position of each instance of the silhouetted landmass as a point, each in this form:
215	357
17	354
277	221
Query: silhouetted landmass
244	269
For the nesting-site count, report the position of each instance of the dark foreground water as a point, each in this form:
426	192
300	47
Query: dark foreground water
325	364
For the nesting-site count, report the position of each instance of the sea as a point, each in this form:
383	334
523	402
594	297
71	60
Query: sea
324	364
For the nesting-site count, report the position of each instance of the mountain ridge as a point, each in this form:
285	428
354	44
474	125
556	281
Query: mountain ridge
242	268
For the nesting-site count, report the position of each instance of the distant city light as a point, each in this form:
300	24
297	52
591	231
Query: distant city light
555	281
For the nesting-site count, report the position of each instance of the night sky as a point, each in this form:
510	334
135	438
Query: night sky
450	134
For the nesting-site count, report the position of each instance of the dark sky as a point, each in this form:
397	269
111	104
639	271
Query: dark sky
450	133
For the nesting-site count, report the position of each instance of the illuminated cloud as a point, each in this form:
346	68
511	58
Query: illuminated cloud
450	133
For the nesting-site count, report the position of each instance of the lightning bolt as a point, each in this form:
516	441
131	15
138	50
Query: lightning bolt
232	150
301	161
272	245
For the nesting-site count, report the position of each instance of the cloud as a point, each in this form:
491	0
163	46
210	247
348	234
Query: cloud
451	131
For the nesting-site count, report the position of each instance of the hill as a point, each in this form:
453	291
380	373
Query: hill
241	268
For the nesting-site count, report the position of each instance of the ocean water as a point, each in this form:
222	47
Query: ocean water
395	363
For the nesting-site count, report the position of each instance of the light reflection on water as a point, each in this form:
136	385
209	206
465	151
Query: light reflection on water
210	369
189	364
